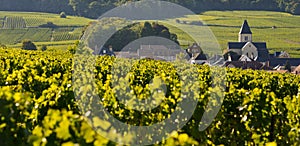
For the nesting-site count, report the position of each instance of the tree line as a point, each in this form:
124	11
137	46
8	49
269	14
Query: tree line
94	8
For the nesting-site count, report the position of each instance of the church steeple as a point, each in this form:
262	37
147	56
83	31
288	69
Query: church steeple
245	34
245	29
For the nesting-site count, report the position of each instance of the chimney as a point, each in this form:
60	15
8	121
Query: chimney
110	48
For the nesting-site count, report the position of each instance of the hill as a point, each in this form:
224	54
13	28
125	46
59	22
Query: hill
280	30
39	27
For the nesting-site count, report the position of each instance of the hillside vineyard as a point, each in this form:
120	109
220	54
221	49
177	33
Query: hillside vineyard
38	105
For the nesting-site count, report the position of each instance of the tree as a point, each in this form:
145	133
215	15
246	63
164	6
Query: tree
44	48
288	66
48	25
28	45
147	30
3	46
132	32
165	33
295	9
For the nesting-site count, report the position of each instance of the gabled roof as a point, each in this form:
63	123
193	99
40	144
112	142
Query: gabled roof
194	46
282	61
236	45
245	58
262	45
233	56
263	55
105	51
245	29
199	56
240	45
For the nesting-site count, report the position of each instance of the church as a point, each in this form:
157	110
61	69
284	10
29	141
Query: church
247	50
248	54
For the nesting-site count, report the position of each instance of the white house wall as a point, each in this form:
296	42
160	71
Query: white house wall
250	50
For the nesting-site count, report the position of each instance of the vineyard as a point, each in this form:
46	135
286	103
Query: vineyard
34	19
14	23
17	26
17	35
66	34
1	21
39	107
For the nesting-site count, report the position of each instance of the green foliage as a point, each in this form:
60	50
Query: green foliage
147	30
138	30
288	66
72	48
38	106
15	112
43	47
34	26
28	45
3	46
48	25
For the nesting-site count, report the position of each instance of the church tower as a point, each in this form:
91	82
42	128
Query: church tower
245	34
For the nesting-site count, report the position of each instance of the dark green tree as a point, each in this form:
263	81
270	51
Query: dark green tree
43	47
28	45
3	46
288	66
147	30
135	31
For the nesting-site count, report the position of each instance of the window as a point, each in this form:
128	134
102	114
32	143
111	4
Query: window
246	38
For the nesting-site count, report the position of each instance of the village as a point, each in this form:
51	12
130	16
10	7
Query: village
244	54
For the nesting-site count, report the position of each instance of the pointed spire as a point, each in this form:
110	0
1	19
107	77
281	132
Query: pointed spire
245	29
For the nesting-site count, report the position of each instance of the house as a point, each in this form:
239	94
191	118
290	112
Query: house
246	48
283	61
196	55
297	70
105	51
158	52
281	54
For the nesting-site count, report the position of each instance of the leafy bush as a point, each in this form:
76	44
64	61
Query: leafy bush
48	25
3	46
43	47
38	105
136	31
28	45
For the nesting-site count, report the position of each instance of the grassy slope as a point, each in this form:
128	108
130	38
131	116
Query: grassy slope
36	18
226	24
72	27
